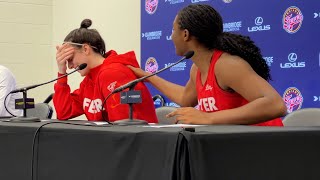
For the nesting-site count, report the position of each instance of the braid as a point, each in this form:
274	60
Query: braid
245	48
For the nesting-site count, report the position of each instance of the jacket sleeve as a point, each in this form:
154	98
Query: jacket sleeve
67	105
110	79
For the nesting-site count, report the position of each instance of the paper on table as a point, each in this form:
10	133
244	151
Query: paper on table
99	123
173	125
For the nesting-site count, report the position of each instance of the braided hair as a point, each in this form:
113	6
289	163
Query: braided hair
205	24
89	36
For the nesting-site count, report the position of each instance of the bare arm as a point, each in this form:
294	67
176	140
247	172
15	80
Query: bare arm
235	73
264	101
182	95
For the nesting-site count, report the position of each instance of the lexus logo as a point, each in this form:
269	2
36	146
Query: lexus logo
292	57
258	21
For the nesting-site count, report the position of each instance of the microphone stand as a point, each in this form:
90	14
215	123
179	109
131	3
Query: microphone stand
28	103
130	120
24	118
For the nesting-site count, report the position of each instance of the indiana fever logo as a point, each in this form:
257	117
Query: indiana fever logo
292	19
293	99
151	6
151	65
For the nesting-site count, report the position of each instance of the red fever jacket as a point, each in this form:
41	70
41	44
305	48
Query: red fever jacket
100	81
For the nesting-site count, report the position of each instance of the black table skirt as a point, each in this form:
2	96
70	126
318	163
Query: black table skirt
251	153
60	150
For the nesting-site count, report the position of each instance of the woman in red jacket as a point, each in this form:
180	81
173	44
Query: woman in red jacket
228	80
105	71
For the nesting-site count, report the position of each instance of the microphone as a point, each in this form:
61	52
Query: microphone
80	67
130	84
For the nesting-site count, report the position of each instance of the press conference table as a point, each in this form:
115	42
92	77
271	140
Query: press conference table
54	150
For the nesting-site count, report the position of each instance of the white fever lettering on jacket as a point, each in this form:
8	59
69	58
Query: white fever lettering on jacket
94	105
207	104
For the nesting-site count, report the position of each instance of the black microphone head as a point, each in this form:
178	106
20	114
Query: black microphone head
82	66
189	54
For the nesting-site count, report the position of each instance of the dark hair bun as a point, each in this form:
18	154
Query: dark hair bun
86	23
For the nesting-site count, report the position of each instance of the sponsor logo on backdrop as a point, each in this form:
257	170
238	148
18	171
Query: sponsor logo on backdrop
293	63
196	1
169	38
292	57
316	15
316	98
227	1
232	26
172	104
292	19
174	1
153	35
260	26
178	67
157	102
151	65
269	60
293	99
151	6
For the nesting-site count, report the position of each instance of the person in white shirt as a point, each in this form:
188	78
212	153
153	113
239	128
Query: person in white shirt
7	84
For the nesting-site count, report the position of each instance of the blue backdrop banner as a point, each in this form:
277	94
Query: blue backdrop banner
286	31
